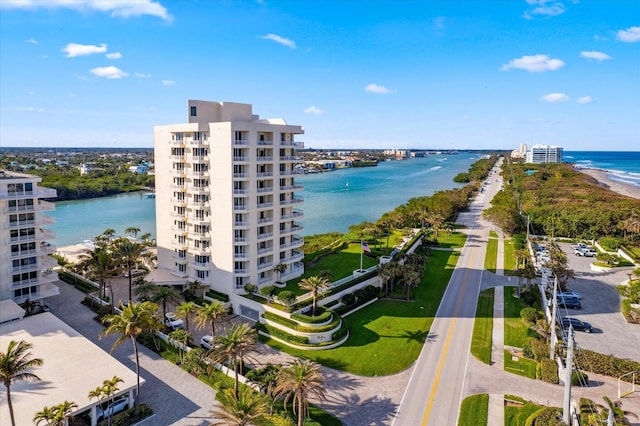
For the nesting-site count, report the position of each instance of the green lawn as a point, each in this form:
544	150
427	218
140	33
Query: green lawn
387	336
517	414
509	260
491	258
483	327
455	240
493	234
523	366
516	331
474	410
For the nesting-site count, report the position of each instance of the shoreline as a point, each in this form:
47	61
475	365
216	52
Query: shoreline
621	188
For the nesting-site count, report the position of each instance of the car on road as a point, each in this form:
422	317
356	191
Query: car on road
573	294
172	322
117	406
586	252
569	303
576	324
206	342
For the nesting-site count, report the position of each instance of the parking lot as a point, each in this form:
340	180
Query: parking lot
601	308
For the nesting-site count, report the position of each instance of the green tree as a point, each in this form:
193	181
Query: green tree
132	230
130	253
209	314
232	348
134	319
279	269
196	288
299	382
314	285
164	295
99	264
15	366
47	414
180	338
144	289
185	310
244	410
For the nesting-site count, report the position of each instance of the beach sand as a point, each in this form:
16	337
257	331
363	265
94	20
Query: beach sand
619	187
73	252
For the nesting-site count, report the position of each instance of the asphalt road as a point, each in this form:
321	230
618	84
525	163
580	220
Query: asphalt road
435	388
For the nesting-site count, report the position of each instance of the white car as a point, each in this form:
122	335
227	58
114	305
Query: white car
117	406
565	294
206	342
172	322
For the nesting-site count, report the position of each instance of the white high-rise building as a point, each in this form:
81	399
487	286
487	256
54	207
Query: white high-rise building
226	209
544	154
25	243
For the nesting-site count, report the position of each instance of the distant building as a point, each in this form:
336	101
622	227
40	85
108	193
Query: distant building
521	152
544	154
26	244
139	169
226	210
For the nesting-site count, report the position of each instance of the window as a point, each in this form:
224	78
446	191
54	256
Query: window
194	112
202	274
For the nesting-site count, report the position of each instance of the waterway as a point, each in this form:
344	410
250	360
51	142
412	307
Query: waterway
332	200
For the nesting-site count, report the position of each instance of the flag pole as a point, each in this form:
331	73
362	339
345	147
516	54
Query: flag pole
361	253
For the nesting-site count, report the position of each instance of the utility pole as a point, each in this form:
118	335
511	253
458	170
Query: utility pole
554	312
566	407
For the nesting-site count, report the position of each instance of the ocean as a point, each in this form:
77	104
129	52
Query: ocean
622	166
332	200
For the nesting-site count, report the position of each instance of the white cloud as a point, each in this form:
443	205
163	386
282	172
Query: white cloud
31	40
534	63
544	8
168	83
599	56
29	109
109	72
281	40
313	110
140	75
376	88
599	38
119	8
630	35
75	49
585	100
114	55
555	97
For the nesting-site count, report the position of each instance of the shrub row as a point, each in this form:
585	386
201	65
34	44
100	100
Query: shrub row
323	315
607	365
217	295
357	298
276	332
545	416
548	371
81	284
129	417
339	334
295	326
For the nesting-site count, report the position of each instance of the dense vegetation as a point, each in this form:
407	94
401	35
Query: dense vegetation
478	170
559	201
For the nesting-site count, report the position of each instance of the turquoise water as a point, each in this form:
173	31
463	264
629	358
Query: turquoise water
620	165
332	200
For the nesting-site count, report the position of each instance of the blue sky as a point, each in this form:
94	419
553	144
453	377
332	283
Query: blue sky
354	74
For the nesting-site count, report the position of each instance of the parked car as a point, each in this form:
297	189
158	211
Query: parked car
579	246
574	294
135	273
569	303
117	406
206	342
586	252
577	324
172	322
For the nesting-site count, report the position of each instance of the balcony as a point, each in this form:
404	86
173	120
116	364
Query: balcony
266	265
296	242
291	172
44	290
199	142
240	159
180	186
265	235
299	145
240	239
264	205
241	271
199	250
179	201
294	270
265	220
22	253
298	256
293	200
199	190
178	173
178	230
289	159
45	234
265	189
179	244
199	234
264	158
178	259
265	250
199	220
265	143
264	174
265	280
179	158
178	273
179	215
294	187
198	158
198	173
240	191
241	224
241	255
240	208
240	142
200	266
241	175
24	268
176	142
293	229
293	215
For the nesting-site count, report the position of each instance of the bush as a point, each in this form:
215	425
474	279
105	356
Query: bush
340	333
360	294
217	295
528	298
194	361
323	315
549	371
607	365
578	378
287	297
348	299
276	332
129	417
610	243
545	416
530	315
268	291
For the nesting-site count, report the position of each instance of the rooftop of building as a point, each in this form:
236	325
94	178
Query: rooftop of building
72	366
6	174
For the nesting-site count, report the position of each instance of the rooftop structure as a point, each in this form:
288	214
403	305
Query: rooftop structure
25	243
226	210
544	154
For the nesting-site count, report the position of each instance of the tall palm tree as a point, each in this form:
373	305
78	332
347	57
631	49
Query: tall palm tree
232	347
299	382
209	314
110	387
134	319
129	252
163	295
132	230
185	310
144	289
100	265
279	269
14	367
412	276
314	285
249	407
196	288
63	412
47	414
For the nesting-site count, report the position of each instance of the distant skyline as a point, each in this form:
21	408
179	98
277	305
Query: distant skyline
354	74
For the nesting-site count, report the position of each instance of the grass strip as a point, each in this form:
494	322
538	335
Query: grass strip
474	410
522	366
491	257
509	259
516	331
483	327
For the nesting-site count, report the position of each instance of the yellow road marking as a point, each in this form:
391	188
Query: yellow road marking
443	357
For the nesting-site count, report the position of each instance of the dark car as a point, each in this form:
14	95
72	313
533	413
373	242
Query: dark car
569	303
577	324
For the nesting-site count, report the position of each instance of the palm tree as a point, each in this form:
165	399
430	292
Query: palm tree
314	285
132	230
297	383
145	238
249	407
63	412
412	276
232	347
134	319
209	314
14	367
130	254
47	414
279	269
196	288
185	310
144	289
110	388
164	295
100	265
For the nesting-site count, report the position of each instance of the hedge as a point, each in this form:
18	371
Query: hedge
339	334
217	295
129	417
607	365
545	416
295	326
578	378
79	283
323	316
276	332
549	371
